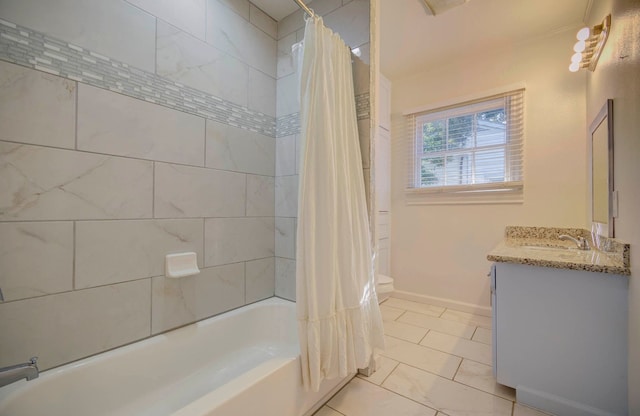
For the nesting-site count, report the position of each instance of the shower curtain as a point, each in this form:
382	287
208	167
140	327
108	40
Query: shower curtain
339	322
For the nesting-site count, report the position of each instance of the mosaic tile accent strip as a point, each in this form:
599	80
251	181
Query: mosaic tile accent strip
35	50
363	109
290	124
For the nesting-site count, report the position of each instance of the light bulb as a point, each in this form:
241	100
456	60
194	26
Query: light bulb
583	34
576	57
574	67
579	46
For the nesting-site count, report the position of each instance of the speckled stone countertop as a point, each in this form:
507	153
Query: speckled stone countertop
540	246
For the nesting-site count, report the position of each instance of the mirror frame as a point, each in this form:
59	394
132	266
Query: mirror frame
604	115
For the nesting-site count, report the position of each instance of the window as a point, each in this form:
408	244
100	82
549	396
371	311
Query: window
468	148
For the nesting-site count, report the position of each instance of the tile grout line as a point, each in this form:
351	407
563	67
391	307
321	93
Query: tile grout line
392	370
73	266
484	391
327	404
246	193
399	394
204	158
425	335
77	111
248	96
457	369
427	315
155	45
64	292
468	323
427	328
439	332
127	219
399	316
474	334
422	369
150	306
245	282
450	334
396	393
204	239
82	151
453	355
137	279
153	190
437	375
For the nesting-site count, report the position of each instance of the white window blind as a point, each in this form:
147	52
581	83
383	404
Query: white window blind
468	148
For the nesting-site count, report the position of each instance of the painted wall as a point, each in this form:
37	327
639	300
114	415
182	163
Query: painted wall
617	77
131	130
349	18
439	251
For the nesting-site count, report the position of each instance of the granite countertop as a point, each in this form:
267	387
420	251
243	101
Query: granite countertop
540	246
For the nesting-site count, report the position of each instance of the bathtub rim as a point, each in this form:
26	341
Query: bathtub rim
7	393
217	397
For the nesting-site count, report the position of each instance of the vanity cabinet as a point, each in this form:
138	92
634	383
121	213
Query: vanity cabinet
560	338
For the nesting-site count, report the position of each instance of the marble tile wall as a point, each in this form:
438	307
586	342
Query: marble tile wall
131	130
349	18
111	28
66	326
182	71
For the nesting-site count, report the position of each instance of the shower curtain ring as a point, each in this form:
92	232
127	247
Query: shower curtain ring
313	15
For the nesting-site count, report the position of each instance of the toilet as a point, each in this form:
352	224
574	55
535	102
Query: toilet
384	287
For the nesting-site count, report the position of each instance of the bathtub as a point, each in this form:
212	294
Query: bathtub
243	362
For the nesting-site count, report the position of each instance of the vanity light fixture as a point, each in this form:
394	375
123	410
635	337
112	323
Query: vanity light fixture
589	46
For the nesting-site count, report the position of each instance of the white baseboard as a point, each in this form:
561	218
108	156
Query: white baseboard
447	303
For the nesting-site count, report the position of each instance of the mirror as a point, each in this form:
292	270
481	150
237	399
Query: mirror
602	171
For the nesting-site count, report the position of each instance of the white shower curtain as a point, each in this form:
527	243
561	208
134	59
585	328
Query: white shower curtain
339	322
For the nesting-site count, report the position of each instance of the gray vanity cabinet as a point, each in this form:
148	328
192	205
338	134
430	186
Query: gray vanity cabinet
560	338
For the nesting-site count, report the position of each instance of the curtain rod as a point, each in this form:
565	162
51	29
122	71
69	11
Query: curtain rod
305	8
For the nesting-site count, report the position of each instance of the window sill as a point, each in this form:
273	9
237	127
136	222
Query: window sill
466	195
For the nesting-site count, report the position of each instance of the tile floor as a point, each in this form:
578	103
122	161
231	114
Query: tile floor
437	362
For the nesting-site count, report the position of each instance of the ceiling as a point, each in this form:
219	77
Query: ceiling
413	41
278	9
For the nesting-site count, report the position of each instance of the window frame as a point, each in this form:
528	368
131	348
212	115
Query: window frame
511	190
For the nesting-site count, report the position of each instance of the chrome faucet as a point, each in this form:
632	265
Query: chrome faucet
13	373
581	242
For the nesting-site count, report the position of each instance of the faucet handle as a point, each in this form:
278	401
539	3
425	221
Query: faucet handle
34	361
584	244
580	241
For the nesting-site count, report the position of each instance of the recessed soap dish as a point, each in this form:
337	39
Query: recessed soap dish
181	265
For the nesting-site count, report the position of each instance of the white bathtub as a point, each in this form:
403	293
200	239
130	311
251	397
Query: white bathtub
243	362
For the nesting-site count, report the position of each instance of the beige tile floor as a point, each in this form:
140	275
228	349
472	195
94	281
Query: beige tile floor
437	362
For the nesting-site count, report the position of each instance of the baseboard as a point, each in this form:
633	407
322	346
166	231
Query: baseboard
447	303
556	405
